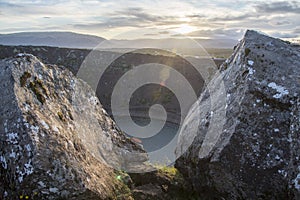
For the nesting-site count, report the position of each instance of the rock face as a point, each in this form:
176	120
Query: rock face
56	140
257	154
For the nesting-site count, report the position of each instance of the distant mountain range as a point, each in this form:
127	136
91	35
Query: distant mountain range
75	40
55	39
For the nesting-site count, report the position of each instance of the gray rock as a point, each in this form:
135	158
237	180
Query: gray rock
245	144
147	192
56	139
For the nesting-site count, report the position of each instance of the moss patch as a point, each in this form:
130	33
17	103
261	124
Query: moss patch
122	187
39	90
24	78
171	172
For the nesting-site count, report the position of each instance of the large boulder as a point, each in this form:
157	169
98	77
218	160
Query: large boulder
251	150
56	139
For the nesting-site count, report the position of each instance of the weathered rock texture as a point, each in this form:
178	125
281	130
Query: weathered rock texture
257	154
56	140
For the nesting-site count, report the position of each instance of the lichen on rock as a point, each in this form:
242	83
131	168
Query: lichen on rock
51	144
257	153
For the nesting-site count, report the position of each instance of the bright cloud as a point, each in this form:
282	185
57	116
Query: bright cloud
206	18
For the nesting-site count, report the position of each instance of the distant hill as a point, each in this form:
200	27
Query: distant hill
82	41
170	43
217	43
55	39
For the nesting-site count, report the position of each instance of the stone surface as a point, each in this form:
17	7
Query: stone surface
256	154
166	183
56	139
148	191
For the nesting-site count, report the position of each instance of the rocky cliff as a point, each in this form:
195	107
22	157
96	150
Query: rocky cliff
252	151
56	139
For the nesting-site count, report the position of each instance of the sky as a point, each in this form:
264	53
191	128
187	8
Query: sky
193	18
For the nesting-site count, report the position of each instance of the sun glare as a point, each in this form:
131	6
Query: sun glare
184	28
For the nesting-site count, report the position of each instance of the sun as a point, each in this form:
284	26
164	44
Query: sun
184	28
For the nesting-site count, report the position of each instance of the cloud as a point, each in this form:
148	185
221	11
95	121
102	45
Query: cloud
164	32
111	23
196	16
223	17
218	18
246	16
217	33
25	29
151	34
130	17
28	10
114	22
138	13
9	5
280	23
278	7
297	31
158	33
285	35
35	2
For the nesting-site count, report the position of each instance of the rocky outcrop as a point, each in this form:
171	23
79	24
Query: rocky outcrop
56	140
255	154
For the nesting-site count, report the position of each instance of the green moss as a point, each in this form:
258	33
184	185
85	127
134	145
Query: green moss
122	183
179	188
247	51
123	193
171	172
24	78
121	190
